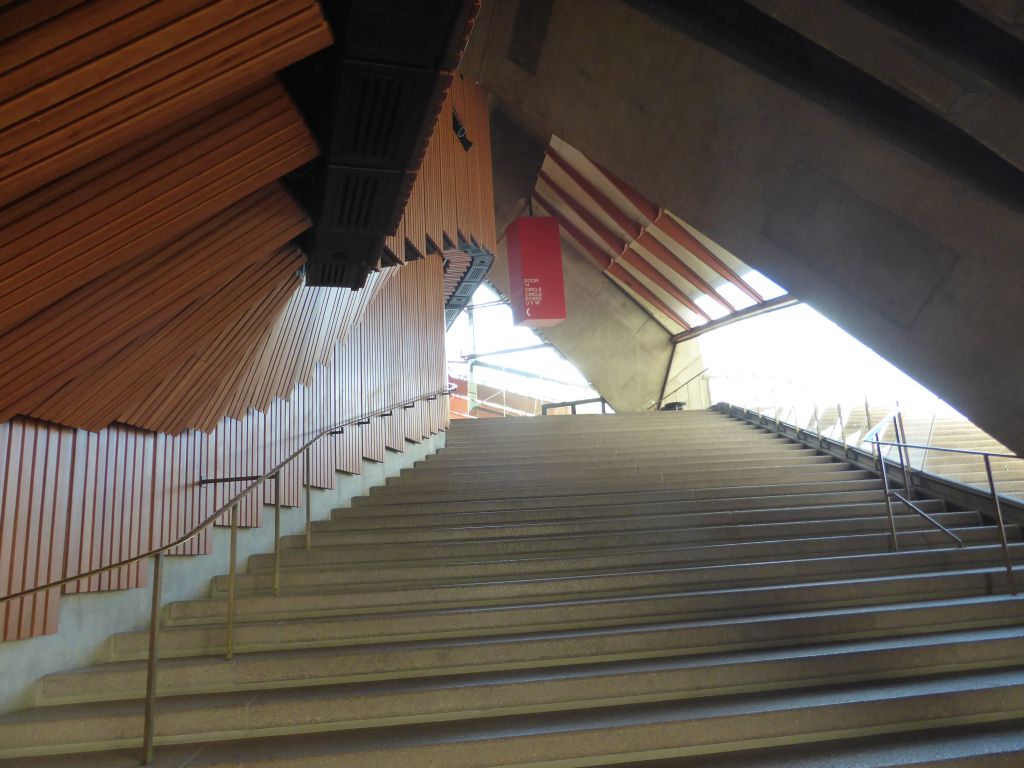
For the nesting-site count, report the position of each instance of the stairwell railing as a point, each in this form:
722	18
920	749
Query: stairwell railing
912	478
232	505
572	405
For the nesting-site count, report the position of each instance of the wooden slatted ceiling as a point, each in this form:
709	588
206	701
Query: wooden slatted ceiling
148	194
680	279
79	84
81	334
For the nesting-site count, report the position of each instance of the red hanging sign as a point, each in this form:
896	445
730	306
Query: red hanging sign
536	287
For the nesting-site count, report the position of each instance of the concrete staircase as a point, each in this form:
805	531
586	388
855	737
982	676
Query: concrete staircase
670	589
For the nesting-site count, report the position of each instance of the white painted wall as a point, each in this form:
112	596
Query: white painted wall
87	621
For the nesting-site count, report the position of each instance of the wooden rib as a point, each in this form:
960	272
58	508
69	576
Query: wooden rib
651	244
613	241
128	379
148	198
597	255
626	224
207	56
621	275
663	220
85	328
641	265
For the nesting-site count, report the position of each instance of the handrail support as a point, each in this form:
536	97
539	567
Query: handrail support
1002	526
149	715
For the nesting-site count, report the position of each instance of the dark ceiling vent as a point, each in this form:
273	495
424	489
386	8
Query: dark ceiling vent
372	100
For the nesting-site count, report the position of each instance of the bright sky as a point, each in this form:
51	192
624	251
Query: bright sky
792	354
801	354
494	331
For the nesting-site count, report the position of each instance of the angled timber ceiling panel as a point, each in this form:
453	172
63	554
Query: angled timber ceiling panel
147	252
149	193
680	278
82	79
88	327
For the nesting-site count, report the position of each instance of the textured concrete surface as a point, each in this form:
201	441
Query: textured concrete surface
902	247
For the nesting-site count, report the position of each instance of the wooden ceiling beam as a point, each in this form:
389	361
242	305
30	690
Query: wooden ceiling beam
644	267
617	272
591	249
662	253
613	241
661	219
102	75
624	222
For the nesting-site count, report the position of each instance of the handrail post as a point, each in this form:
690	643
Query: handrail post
888	501
309	502
148	726
1002	525
904	458
842	429
277	532
229	645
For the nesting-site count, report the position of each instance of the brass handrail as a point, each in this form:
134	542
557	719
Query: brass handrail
237	498
149	715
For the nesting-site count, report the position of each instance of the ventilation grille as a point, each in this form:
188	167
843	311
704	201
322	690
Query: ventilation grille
354	204
358	200
374	102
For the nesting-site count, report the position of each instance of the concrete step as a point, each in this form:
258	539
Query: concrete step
625	524
341	707
416	658
510	589
564	460
665	729
594	448
745	510
341	626
585	482
371	549
860	492
990	745
533	524
845	481
497	477
582	561
624	466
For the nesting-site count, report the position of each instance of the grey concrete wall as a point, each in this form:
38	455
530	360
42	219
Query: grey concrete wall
681	386
88	620
621	350
918	262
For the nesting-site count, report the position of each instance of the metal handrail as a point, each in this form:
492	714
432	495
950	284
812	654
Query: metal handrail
902	445
573	403
661	400
149	728
949	450
926	516
237	498
882	462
